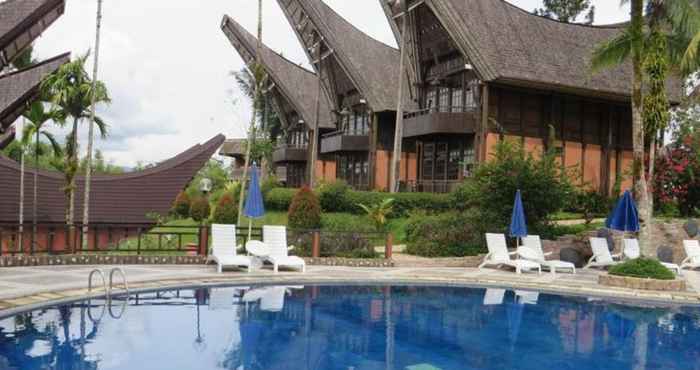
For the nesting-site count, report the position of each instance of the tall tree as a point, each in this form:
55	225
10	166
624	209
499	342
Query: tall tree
36	119
260	78
23	60
649	44
567	10
398	131
71	91
684	16
91	129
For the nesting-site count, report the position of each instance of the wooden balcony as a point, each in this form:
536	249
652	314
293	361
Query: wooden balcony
343	142
429	122
288	153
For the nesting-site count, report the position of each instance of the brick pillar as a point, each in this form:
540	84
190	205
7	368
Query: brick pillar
316	246
388	251
203	240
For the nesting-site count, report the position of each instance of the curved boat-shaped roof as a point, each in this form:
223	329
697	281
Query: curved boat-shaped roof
372	65
296	84
18	88
22	21
510	45
115	199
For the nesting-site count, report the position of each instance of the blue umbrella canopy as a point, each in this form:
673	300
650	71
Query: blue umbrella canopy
518	225
254	207
625	217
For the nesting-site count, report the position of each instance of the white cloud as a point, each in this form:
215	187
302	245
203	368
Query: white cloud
167	64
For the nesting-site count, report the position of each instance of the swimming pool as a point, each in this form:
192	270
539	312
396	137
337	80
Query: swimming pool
351	327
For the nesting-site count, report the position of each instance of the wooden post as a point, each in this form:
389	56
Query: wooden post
316	246
389	247
203	240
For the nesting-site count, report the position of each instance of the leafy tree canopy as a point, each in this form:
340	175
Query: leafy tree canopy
568	10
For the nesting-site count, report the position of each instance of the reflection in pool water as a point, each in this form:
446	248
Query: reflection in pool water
334	327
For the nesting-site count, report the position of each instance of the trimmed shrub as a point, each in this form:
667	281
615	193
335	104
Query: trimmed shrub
200	209
181	206
345	222
226	211
279	199
404	203
334	244
268	184
333	196
644	268
451	234
305	210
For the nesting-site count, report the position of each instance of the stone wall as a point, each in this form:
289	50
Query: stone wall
46	260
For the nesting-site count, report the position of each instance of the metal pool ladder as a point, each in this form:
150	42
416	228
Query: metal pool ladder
108	290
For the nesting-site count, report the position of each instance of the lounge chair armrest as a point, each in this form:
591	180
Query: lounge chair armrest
593	258
686	260
548	254
487	256
617	256
512	253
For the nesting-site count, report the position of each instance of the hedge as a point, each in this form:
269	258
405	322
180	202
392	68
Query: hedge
279	199
643	268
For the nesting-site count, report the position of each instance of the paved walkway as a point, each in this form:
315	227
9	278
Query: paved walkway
29	287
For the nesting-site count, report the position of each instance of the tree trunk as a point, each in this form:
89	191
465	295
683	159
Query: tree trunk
314	133
641	190
398	131
20	235
91	129
71	173
36	187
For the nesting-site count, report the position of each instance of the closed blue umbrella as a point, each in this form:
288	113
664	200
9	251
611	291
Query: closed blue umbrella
625	217
518	225
254	207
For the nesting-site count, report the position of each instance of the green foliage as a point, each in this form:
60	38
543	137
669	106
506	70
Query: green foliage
270	182
181	206
450	234
656	112
545	188
378	213
404	203
279	199
214	171
591	204
305	210
200	209
333	196
226	211
645	268
567	10
334	244
345	222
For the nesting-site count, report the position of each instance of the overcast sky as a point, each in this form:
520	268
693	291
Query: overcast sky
167	63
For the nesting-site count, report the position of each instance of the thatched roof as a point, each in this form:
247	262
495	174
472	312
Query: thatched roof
18	88
294	83
115	199
509	45
22	21
372	65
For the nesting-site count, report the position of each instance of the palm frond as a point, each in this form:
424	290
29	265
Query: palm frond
55	146
613	52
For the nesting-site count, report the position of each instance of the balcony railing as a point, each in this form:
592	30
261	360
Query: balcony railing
345	141
444	120
290	153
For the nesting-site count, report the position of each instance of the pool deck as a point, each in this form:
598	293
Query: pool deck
25	288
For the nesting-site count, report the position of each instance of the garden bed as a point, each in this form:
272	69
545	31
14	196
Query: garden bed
677	285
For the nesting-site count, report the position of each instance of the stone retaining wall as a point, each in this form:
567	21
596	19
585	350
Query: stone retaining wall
46	260
643	284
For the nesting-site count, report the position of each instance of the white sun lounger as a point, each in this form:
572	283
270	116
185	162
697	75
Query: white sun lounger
526	297
531	250
222	298
692	250
494	297
275	239
632	251
499	256
223	248
601	254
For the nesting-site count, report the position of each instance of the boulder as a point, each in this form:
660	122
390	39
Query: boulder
572	255
665	254
691	228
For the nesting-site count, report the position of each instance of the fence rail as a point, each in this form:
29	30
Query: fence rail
145	239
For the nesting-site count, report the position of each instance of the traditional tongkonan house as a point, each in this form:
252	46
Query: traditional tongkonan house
292	92
360	77
21	22
485	70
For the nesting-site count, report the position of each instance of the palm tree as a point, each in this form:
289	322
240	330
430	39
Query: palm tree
685	18
36	118
630	44
71	91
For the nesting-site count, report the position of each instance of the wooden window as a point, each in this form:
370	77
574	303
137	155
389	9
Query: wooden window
572	120
431	99
457	100
428	159
441	161
444	99
454	162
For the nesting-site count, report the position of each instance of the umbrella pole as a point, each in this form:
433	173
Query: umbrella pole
250	227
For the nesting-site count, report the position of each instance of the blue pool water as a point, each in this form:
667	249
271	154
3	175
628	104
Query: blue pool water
332	327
